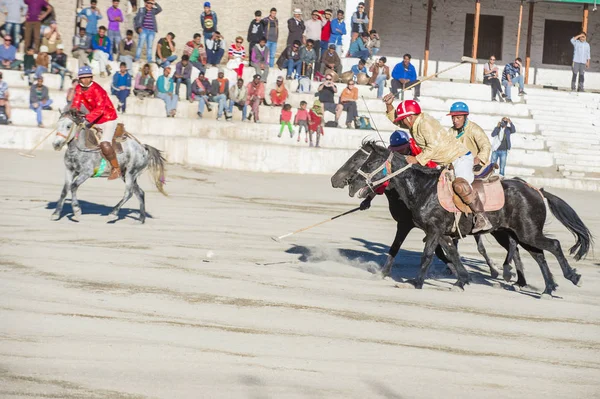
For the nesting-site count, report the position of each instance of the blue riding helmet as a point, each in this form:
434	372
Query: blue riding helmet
85	72
459	108
399	137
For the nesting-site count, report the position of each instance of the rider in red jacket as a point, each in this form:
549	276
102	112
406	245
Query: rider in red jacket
101	113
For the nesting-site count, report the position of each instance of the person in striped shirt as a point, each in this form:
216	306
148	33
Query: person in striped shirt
236	56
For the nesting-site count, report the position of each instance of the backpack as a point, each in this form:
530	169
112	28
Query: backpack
363	122
304	84
331	124
3	116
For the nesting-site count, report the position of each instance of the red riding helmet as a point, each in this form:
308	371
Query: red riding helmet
406	108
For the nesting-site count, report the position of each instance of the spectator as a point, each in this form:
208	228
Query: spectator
256	95
330	60
236	56
501	142
59	64
208	20
164	91
183	74
42	62
301	120
314	29
490	77
47	20
195	49
52	38
295	27
8	55
315	122
39	99
82	47
144	83
358	48
279	94
260	59
165	50
220	93
359	69
201	89
127	50
285	119
33	26
290	60
338	31
14	11
360	21
237	98
326	92
325	35
272	34
145	25
101	49
29	65
5	99
256	30
115	18
91	15
511	76
347	103
404	75
374	43
581	59
121	86
380	73
308	57
215	49
71	94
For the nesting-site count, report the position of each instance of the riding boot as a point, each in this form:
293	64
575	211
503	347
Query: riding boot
463	189
111	157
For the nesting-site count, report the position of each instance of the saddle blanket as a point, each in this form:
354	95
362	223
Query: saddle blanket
490	192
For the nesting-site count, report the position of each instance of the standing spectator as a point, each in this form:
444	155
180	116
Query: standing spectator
347	103
183	74
52	38
33	23
101	48
195	49
115	18
331	60
511	76
271	24
285	119
326	92
144	83
91	15
581	59
5	99
236	56
127	50
315	122
256	95
301	120
374	43
145	25
165	50
42	62
47	20
290	60
260	59
220	93
279	94
308	57
360	21
314	29
295	27
201	90
338	31
490	77
215	49
8	55
71	94
380	73
403	75
59	64
358	48
164	91
14	11
82	47
121	86
39	99
29	65
256	30
326	31
501	142
237	98
208	20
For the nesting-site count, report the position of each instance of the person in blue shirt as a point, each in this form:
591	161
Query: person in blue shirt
358	48
101	50
404	75
121	86
338	30
165	88
359	68
91	15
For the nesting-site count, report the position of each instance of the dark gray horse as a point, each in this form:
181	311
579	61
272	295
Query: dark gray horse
82	163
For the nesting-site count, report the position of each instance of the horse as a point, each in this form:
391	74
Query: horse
82	163
523	215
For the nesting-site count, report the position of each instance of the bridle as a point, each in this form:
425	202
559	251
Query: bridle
386	167
71	135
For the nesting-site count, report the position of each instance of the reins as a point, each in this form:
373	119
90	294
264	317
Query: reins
388	174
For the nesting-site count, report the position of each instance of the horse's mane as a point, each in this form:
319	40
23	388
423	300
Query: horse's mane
381	149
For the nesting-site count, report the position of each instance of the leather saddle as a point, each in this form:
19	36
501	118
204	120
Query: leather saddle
487	184
93	136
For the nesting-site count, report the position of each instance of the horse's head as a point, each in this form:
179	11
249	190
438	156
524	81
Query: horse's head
342	176
66	128
376	167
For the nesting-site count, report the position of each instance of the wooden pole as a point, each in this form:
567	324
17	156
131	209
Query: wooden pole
475	39
427	37
528	47
371	11
586	14
519	29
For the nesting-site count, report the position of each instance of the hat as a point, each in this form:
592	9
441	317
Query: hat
331	45
85	72
43	49
201	73
280	78
207	4
297	11
60	46
256	76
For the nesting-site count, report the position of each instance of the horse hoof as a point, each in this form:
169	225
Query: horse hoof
507	276
494	273
55	216
112	217
546	296
76	215
458	286
141	221
417	284
575	278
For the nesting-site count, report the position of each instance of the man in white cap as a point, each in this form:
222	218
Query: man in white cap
59	64
296	28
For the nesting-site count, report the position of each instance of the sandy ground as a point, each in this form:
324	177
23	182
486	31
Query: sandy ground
200	303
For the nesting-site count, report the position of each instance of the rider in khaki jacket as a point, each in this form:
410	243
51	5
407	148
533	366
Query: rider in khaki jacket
470	134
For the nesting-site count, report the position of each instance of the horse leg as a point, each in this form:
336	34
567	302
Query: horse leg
452	252
539	257
553	246
439	252
61	201
79	180
481	248
503	238
431	241
402	230
139	193
114	214
521	282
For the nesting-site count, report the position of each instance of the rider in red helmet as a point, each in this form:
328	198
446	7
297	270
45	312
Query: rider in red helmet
441	146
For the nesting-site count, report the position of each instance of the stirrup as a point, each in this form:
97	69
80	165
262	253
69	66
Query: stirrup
115	173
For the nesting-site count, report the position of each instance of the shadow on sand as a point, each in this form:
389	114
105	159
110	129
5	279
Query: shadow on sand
91	208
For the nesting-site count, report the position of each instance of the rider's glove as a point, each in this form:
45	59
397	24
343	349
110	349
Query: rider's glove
366	204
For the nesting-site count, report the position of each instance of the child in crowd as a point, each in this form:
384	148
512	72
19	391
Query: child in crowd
316	122
286	120
42	62
29	65
302	120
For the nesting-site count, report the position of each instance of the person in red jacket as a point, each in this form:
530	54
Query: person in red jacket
95	99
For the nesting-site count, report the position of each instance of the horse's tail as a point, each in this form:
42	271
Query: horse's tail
156	166
569	218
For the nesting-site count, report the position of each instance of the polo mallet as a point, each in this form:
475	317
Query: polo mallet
463	60
278	239
371	116
29	154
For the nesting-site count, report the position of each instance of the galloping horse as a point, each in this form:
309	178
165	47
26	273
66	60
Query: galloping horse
82	163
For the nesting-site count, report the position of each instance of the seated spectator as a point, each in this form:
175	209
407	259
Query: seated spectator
511	76
29	66
326	92
374	43
127	50
215	49
39	99
380	73
256	95
331	60
220	93
197	53
59	64
347	103
71	94
8	55
183	74
256	30
290	60
236	56
308	57
52	38
260	59
165	50
358	48
165	91
237	98
121	86
82	47
42	62
4	99
501	142
101	49
404	75
201	89
490	77
359	69
279	94
144	83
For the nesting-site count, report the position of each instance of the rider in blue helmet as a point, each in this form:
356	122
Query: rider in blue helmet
470	134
